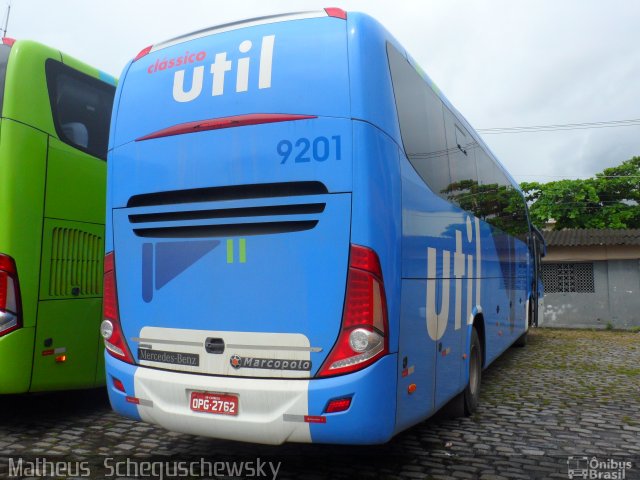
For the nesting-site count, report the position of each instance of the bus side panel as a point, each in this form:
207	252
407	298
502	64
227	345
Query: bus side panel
438	247
375	224
71	271
504	290
15	358
23	152
420	352
118	370
29	100
372	96
370	418
76	184
72	325
69	312
376	218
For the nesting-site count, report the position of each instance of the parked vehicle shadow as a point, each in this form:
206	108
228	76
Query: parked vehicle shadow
36	407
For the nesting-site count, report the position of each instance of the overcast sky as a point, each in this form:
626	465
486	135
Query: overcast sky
502	63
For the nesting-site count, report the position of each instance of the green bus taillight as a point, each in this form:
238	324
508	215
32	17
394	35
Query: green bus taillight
9	296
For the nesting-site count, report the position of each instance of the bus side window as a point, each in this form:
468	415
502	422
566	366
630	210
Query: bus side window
421	117
81	108
462	165
502	204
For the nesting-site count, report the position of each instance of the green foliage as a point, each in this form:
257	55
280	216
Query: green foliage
609	200
500	205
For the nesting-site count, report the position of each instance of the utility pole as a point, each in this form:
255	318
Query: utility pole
6	20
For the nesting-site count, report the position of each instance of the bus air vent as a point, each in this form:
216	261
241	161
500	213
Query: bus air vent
76	263
300	209
236	192
226	230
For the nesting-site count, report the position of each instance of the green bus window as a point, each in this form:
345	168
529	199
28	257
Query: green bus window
81	108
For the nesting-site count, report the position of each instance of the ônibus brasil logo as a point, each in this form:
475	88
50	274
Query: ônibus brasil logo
218	69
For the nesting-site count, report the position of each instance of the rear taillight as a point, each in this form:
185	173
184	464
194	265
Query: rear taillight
143	53
338	405
363	335
336	13
10	305
8	41
118	384
110	328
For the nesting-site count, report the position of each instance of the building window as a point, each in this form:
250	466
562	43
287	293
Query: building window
568	277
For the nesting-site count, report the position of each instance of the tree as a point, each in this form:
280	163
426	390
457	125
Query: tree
609	200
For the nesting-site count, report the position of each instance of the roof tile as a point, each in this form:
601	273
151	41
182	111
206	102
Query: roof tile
591	237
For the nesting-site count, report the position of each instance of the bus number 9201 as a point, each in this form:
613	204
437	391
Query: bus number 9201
304	150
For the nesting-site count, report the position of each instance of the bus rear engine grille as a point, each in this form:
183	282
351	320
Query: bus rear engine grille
234	218
235	192
300	209
75	264
226	230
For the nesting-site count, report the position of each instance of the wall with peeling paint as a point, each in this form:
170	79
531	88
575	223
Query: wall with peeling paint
616	300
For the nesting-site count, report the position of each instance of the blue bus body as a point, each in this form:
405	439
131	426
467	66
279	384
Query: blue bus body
258	172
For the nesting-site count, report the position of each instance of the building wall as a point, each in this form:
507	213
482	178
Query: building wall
592	252
615	299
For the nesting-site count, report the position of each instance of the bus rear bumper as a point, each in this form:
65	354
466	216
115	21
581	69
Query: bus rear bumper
271	411
16	358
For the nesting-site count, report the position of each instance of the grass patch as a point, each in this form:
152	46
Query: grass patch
628	371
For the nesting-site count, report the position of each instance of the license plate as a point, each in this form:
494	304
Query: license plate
218	403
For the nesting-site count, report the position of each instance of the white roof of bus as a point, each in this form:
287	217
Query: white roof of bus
236	25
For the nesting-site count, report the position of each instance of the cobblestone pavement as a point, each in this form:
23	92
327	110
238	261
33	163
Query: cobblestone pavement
568	393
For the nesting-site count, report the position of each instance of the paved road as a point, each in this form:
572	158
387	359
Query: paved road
568	393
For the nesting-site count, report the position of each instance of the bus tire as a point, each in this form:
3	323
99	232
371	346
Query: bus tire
471	394
521	341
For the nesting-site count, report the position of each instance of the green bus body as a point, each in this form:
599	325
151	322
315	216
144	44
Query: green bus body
52	204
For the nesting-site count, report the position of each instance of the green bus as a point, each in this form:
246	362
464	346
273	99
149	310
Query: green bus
54	129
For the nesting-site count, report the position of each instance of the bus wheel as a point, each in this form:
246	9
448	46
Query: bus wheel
471	393
465	403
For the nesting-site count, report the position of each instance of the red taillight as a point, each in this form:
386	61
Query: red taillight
336	13
111	330
118	384
225	122
338	405
363	335
10	304
144	52
365	259
8	41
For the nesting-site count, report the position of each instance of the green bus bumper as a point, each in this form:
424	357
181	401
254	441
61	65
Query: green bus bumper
16	359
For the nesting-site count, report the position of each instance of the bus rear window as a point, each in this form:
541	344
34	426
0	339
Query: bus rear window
81	108
5	50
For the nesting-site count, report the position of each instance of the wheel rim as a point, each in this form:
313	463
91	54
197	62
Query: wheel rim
474	371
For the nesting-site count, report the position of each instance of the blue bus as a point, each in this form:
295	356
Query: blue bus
305	241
